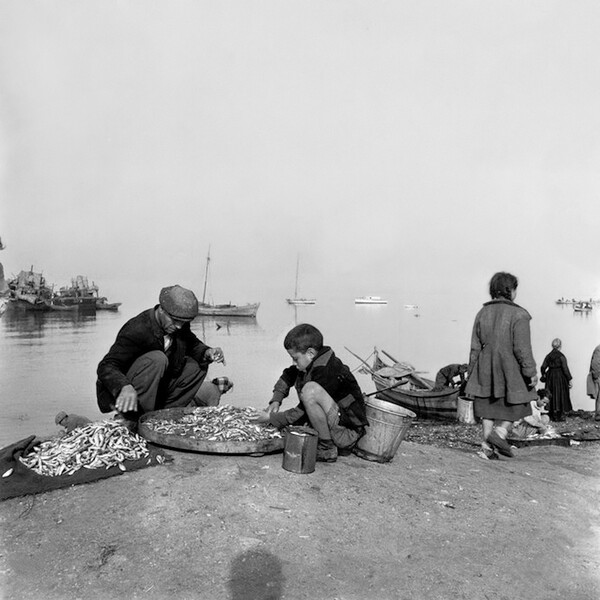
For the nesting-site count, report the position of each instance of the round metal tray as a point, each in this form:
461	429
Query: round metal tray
200	445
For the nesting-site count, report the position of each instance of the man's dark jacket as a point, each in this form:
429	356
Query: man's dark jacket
140	335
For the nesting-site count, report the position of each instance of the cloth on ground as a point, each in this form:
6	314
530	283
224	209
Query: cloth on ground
23	481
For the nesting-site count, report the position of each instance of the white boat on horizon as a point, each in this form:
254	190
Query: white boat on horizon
370	300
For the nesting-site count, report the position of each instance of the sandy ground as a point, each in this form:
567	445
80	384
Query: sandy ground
435	523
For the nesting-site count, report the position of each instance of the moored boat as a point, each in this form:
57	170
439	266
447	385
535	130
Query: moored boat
582	307
29	291
208	309
102	303
80	293
228	310
295	300
370	300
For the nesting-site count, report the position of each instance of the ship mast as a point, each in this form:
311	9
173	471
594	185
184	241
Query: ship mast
297	268
206	277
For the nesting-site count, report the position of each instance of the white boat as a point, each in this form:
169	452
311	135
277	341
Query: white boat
209	309
411	306
370	300
295	300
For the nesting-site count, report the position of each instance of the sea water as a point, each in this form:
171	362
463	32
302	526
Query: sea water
48	360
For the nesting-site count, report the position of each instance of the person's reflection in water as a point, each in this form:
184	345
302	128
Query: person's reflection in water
256	575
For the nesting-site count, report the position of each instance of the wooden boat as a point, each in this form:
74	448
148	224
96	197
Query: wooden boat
209	309
399	383
582	307
370	300
29	291
295	300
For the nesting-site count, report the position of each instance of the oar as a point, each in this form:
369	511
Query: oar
401	382
361	360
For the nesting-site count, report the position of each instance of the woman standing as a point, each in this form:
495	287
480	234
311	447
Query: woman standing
502	372
556	375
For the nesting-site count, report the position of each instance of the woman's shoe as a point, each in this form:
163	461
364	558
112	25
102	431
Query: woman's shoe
501	445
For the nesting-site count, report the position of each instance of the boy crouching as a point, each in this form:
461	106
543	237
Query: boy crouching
330	397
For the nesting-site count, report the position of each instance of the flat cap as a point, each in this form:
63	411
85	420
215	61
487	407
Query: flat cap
179	302
60	416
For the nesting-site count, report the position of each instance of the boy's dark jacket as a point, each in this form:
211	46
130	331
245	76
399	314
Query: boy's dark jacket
335	378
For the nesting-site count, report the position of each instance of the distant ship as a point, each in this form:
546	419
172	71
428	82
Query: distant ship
370	300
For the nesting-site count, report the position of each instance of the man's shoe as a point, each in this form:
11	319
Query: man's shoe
597	417
128	423
327	452
501	445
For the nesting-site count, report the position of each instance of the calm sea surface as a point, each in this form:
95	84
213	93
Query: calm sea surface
48	361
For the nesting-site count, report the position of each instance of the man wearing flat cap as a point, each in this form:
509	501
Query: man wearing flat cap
157	362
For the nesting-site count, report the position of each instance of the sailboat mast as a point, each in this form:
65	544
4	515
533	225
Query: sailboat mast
297	268
206	277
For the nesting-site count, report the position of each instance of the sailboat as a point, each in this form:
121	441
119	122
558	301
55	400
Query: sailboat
209	309
295	299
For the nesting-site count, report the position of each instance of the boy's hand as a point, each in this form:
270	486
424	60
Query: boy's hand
273	407
260	416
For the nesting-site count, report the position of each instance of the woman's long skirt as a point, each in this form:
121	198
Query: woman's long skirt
498	409
558	385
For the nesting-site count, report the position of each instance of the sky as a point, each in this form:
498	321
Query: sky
417	145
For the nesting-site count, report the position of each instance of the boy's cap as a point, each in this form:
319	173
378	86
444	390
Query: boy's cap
60	416
179	303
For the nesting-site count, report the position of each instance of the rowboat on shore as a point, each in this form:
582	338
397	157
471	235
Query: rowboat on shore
412	391
399	383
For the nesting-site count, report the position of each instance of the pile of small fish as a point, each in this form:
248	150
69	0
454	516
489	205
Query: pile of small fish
216	424
101	444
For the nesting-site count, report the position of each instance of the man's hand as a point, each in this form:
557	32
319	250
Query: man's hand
127	399
260	416
215	355
273	407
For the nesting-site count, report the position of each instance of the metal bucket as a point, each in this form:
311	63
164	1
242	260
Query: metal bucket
300	449
388	424
464	410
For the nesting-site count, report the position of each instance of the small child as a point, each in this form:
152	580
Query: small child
330	397
538	421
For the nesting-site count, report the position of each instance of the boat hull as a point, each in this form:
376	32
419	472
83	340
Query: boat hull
300	301
426	404
228	310
370	300
22	304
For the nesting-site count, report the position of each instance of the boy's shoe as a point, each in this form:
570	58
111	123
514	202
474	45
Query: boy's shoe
345	451
501	445
326	451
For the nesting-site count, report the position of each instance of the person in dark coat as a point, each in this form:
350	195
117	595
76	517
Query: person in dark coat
502	373
156	361
557	377
595	373
446	377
